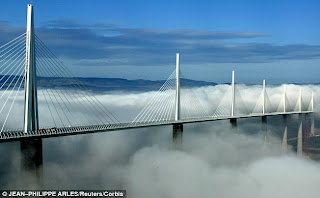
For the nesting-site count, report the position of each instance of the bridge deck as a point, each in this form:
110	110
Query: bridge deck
77	130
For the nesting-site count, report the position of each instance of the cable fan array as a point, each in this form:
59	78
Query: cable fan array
277	104
65	103
224	107
12	61
161	108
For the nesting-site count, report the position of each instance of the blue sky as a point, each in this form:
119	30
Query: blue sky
276	40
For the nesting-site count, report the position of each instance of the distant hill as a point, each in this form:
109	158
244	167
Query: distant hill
113	84
104	84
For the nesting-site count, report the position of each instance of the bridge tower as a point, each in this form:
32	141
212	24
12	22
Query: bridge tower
177	112
233	121
31	150
31	101
233	103
264	118
178	127
263	97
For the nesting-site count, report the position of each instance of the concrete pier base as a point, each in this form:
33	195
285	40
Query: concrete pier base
285	141
233	122
31	161
299	141
264	128
177	135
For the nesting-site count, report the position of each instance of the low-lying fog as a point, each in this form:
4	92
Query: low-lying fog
216	160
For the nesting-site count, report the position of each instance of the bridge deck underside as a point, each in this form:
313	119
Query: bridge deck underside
77	130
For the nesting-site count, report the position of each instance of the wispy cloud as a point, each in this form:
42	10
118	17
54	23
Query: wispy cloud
109	45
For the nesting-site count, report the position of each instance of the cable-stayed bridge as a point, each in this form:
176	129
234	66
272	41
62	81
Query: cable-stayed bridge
26	61
57	110
171	105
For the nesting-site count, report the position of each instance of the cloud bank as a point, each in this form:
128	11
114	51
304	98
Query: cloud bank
61	107
216	160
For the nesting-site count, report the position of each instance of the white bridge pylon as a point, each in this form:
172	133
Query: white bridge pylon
173	101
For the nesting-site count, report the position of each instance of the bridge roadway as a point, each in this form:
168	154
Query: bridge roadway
10	136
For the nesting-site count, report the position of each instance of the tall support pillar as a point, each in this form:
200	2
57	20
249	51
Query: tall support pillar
306	135
312	124
285	135
233	122
31	101
312	116
31	150
299	140
177	128
265	129
285	140
264	122
31	162
177	135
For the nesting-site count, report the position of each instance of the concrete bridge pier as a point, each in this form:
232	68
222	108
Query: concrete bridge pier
299	136
264	129
177	136
284	118
264	124
233	122
234	125
285	135
31	162
285	140
299	140
264	119
312	124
